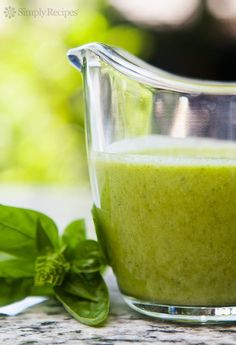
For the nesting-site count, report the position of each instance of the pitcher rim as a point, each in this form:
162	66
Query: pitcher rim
135	68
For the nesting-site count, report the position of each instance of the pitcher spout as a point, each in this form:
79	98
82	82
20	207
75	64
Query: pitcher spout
75	60
84	54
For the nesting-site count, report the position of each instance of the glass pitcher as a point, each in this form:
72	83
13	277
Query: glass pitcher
162	162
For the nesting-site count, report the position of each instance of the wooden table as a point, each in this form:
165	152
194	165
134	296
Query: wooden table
48	323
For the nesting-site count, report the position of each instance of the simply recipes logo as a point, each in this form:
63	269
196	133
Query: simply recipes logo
12	12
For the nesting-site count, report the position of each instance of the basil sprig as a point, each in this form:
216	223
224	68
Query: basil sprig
35	260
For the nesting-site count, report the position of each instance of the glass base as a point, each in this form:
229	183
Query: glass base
185	314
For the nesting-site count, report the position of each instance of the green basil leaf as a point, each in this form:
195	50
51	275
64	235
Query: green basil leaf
89	257
73	234
13	290
89	312
44	291
13	267
50	269
98	218
77	284
18	231
44	243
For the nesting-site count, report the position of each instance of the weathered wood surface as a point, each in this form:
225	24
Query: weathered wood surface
49	324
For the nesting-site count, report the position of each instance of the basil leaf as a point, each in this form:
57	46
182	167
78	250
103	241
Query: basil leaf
89	312
46	290
13	267
33	262
73	234
76	284
101	234
44	243
13	290
88	258
18	231
50	269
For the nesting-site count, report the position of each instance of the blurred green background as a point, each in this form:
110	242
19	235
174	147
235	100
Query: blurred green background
41	96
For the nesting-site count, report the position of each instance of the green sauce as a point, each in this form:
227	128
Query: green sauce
169	222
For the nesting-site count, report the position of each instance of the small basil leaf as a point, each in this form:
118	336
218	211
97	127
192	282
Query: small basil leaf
42	291
89	312
50	269
13	290
77	284
98	216
44	243
13	267
18	231
88	258
73	234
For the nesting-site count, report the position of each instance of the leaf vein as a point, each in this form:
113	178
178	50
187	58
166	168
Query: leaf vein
16	230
